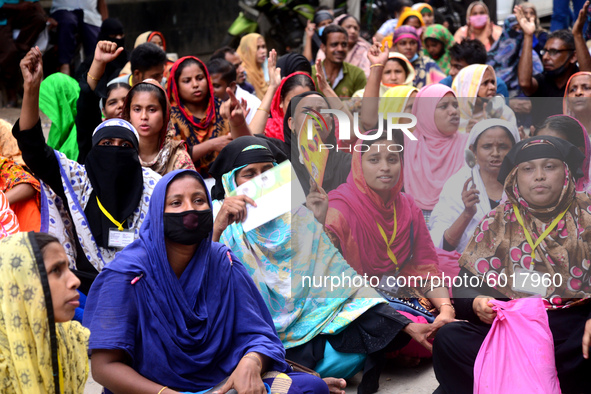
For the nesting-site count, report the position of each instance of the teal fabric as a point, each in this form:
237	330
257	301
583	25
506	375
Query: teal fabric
344	365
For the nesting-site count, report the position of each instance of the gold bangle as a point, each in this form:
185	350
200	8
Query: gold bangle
262	109
91	77
256	356
447	303
162	389
376	65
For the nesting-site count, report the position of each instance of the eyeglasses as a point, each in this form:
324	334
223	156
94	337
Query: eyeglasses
554	52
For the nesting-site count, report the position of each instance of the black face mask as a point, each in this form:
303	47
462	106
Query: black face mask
557	71
189	227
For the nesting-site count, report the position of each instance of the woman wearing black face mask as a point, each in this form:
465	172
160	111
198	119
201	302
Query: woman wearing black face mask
181	310
102	203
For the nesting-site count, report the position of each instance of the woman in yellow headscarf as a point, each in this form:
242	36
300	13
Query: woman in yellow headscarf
398	99
41	349
253	52
475	86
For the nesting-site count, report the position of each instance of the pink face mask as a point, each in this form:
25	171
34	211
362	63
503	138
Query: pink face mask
479	21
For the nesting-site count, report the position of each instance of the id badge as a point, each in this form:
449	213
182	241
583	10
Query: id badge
529	282
120	239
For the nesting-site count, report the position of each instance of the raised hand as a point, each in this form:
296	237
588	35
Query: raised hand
376	55
580	22
32	68
528	27
274	72
317	201
106	51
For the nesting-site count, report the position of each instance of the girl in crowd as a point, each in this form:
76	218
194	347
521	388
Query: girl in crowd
102	202
437	41
504	55
147	109
577	98
379	230
289	87
479	26
475	85
176	312
333	336
396	71
379	96
426	13
196	113
410	17
406	41
314	30
22	192
571	130
92	106
471	193
156	38
539	176
253	52
43	351
357	46
439	151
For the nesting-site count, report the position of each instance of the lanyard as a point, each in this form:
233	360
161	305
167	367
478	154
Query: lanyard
109	216
389	243
541	238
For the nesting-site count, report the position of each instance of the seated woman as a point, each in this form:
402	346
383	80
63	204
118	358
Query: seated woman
471	193
337	336
196	113
379	230
396	71
253	52
176	312
571	130
42	350
539	176
479	26
22	191
156	38
94	209
147	109
577	98
426	13
437	41
406	41
357	47
475	85
439	151
410	17
98	99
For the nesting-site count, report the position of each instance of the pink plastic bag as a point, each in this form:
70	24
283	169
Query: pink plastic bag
517	355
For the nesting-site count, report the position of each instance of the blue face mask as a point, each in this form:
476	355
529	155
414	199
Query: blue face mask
415	57
320	30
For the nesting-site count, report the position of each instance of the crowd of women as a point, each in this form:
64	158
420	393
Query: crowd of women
122	237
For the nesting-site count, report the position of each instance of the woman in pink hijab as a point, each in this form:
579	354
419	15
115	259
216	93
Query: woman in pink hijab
439	150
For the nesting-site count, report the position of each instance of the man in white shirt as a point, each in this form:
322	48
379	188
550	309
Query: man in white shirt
223	75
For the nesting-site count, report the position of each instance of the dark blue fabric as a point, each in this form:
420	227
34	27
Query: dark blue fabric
188	333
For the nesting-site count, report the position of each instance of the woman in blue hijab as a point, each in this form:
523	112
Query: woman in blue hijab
176	312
